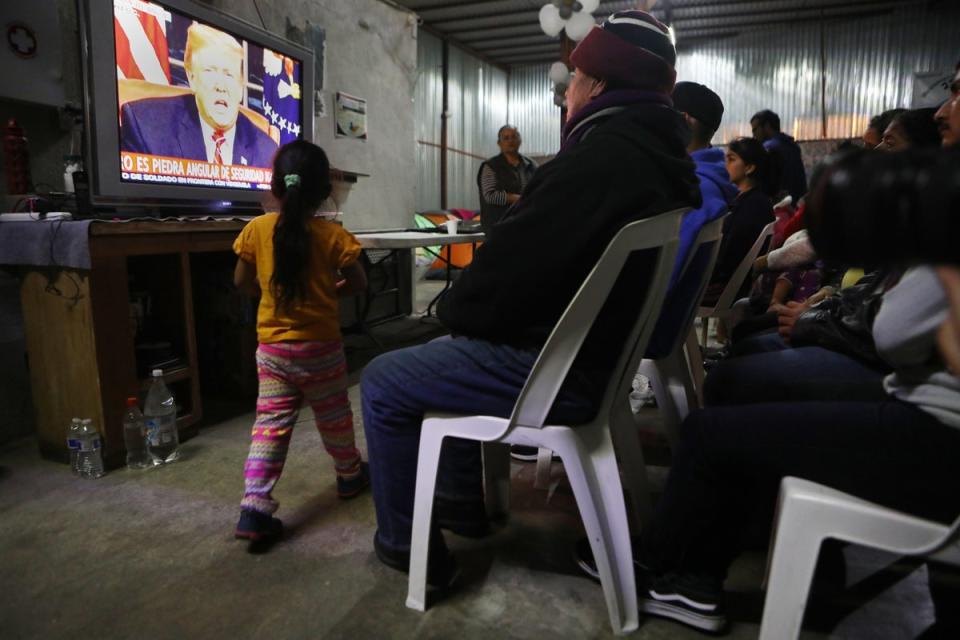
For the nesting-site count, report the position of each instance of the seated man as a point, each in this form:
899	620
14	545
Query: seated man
622	159
793	176
207	124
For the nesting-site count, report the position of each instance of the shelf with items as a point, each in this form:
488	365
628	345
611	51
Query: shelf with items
82	348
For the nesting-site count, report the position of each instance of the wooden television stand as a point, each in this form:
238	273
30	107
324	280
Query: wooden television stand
81	340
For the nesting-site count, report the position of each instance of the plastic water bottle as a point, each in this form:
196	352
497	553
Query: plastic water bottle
73	445
135	436
90	459
160	414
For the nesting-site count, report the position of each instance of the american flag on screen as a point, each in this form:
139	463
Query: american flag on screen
141	39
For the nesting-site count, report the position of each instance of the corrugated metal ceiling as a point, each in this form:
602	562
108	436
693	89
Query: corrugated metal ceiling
507	32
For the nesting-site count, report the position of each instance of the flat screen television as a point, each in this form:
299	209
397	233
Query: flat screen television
185	106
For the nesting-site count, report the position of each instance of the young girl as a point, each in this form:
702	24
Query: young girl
753	171
291	260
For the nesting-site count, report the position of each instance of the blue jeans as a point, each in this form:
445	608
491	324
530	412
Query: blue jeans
457	375
765	369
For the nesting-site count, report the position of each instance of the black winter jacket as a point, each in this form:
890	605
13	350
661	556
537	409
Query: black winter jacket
631	165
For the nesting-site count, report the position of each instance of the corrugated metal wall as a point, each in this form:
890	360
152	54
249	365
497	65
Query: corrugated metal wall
478	108
870	64
428	105
532	109
869	68
477	96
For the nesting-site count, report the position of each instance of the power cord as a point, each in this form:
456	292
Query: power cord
55	269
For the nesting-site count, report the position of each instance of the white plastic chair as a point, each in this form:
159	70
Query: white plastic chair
674	377
724	305
587	450
809	513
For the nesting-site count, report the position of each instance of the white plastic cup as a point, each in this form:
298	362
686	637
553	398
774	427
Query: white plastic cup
452	227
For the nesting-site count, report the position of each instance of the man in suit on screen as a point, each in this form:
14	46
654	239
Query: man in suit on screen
206	124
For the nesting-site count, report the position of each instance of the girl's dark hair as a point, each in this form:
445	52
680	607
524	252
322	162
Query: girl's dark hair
882	121
919	127
767	165
300	198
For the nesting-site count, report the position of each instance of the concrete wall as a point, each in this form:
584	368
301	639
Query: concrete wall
371	53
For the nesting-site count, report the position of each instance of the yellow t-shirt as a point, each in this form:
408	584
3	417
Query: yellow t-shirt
316	316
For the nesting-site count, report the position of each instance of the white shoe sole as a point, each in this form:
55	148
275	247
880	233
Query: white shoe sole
682	615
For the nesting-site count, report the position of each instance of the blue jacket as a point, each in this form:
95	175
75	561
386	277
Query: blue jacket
171	127
718	194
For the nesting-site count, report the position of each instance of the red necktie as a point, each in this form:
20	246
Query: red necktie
218	139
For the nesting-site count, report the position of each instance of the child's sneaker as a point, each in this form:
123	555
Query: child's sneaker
354	486
256	527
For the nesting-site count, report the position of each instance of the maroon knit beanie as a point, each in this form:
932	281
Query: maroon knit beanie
630	49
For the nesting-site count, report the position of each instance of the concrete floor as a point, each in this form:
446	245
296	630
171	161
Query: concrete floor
151	554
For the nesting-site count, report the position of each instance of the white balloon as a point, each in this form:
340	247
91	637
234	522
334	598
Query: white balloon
550	20
579	25
589	6
559	73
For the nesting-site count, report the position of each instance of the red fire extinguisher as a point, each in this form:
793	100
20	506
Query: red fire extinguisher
16	159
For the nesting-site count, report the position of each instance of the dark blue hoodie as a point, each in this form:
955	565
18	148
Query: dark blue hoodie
718	194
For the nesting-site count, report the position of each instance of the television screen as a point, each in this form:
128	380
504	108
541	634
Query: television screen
201	102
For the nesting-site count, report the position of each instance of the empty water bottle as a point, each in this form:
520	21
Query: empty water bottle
135	436
90	459
73	445
160	414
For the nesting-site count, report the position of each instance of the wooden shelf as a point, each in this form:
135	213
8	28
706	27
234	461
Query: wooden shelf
83	361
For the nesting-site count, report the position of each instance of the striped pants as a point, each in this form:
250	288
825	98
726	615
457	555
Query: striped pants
291	372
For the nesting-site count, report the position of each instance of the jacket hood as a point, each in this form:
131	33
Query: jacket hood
659	132
710	166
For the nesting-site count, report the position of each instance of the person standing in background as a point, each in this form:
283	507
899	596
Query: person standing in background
793	178
502	178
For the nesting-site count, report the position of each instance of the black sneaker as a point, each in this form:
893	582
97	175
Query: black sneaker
356	485
583	555
258	527
523	453
442	568
693	600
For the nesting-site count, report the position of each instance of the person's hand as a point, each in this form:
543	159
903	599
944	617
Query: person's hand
512	197
948	336
787	317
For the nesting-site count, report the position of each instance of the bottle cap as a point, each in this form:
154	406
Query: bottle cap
131	402
157	373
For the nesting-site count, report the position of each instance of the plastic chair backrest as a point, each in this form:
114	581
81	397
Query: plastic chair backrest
952	538
730	291
683	300
660	233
